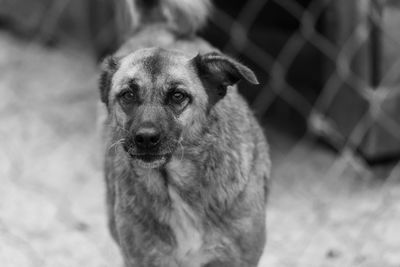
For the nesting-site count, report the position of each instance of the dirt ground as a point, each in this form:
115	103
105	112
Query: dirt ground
324	210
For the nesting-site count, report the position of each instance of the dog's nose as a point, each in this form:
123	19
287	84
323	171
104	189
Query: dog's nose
147	137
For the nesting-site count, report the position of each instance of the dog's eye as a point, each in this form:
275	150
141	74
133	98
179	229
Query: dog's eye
127	96
178	97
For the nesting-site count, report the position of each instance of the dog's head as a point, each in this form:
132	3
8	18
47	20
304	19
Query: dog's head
156	98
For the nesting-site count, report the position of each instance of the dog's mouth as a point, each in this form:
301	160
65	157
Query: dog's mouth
148	157
150	161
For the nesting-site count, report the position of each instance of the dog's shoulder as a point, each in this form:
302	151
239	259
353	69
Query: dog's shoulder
238	122
244	138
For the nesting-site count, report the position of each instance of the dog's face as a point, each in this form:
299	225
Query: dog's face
156	98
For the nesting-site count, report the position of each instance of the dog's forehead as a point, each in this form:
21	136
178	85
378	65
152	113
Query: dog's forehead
151	64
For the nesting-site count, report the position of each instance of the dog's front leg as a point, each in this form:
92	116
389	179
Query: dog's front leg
226	264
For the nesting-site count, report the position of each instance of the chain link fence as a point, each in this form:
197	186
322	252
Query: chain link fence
349	102
329	100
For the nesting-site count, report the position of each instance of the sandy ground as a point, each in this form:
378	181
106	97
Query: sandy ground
323	211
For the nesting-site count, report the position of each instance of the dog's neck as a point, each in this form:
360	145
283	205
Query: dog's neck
173	193
179	173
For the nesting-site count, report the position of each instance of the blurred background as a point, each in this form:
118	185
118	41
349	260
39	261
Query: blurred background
329	101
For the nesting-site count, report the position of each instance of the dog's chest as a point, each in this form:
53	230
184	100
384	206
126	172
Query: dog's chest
186	225
188	232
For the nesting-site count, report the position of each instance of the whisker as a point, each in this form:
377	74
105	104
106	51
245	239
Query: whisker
116	143
182	147
123	129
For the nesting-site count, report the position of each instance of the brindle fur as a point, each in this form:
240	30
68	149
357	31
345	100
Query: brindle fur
205	205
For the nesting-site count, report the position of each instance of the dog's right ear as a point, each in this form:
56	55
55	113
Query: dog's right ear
108	67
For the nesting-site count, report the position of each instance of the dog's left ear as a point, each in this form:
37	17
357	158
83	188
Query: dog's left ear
109	66
219	71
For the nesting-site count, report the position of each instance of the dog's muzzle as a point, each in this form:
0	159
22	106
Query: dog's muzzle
145	147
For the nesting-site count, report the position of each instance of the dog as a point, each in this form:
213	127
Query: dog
186	163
